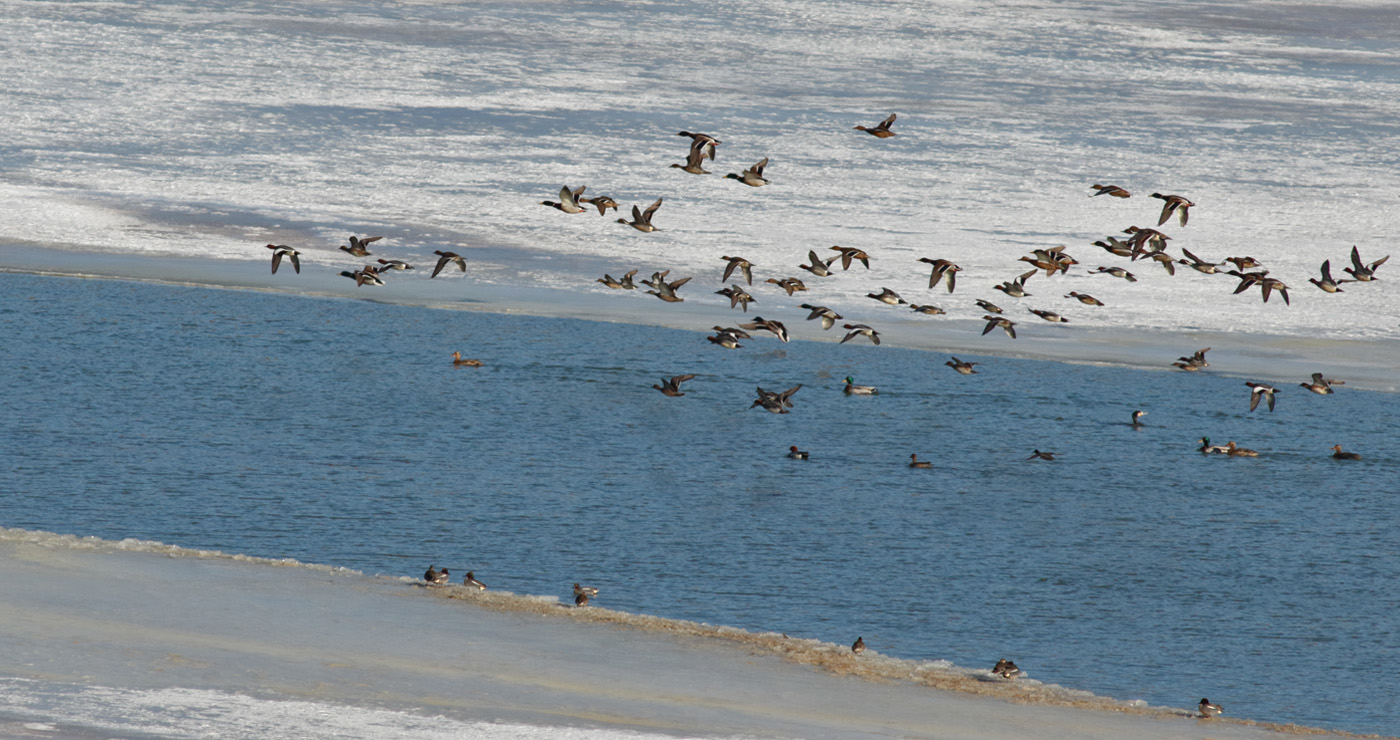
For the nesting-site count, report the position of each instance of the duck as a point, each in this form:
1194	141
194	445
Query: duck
915	462
357	245
737	263
988	306
693	160
887	296
1273	285
880	130
601	202
1112	190
625	283
942	269
789	284
1115	246
1198	264
393	265
1260	391
753	176
927	309
282	250
1007	325
1209	710
1085	298
1050	316
585	590
667	291
1206	448
851	389
1137	418
1006	669
568	200
855	330
858	646
775	327
1117	272
828	316
964	368
1243	263
366	276
672	387
851	253
1174	204
1235	451
1320	385
1337	454
1197	359
1188	367
1327	284
1050	260
1038	455
819	267
1016	288
435	576
1165	260
470	580
725	340
737	296
1145	241
796	454
1362	272
777	403
707	142
641	220
446	258
458	361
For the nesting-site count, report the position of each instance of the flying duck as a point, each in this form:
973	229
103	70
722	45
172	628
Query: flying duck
1320	385
1258	391
852	253
737	296
725	340
1085	298
776	327
1007	325
1198	359
706	142
988	306
1050	316
789	284
357	245
1174	204
1363	272
931	310
1112	190
446	258
887	296
753	176
693	160
828	316
1118	272
281	250
641	220
568	200
881	130
667	291
393	265
1198	264
601	202
740	264
942	269
1327	283
1016	288
962	367
856	330
672	387
1038	455
623	284
366	276
819	267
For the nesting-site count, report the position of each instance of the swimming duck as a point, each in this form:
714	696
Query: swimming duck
887	296
962	367
641	220
1085	298
1016	288
858	646
568	200
1174	204
357	245
737	296
1232	450
1007	325
828	316
1118	272
601	202
988	306
796	454
1206	448
776	327
706	141
470	580
927	309
857	330
1038	455
1360	271
457	361
446	258
851	253
1112	190
435	576
1137	417
1258	391
282	250
1320	385
915	462
1006	669
1337	454
942	269
393	265
667	291
1209	710
789	284
672	387
753	176
1198	264
693	160
740	264
819	267
1327	283
624	284
1050	316
882	129
851	389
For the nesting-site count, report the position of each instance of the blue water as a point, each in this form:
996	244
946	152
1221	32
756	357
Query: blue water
338	431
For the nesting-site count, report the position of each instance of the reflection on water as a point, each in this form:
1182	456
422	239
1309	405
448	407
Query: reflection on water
340	432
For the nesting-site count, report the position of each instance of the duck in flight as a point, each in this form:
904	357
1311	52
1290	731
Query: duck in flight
880	130
281	250
446	258
641	220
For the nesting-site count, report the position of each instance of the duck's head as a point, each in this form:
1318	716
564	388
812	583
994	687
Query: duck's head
848	380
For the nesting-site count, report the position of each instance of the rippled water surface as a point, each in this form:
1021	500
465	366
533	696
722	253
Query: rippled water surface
339	431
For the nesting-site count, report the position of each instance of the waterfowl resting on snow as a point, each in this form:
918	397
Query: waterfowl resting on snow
470	580
858	646
964	368
282	250
882	129
1208	710
860	330
915	462
458	361
1337	454
445	259
568	200
672	387
641	220
796	454
1006	669
1258	391
357	245
753	176
851	389
435	576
